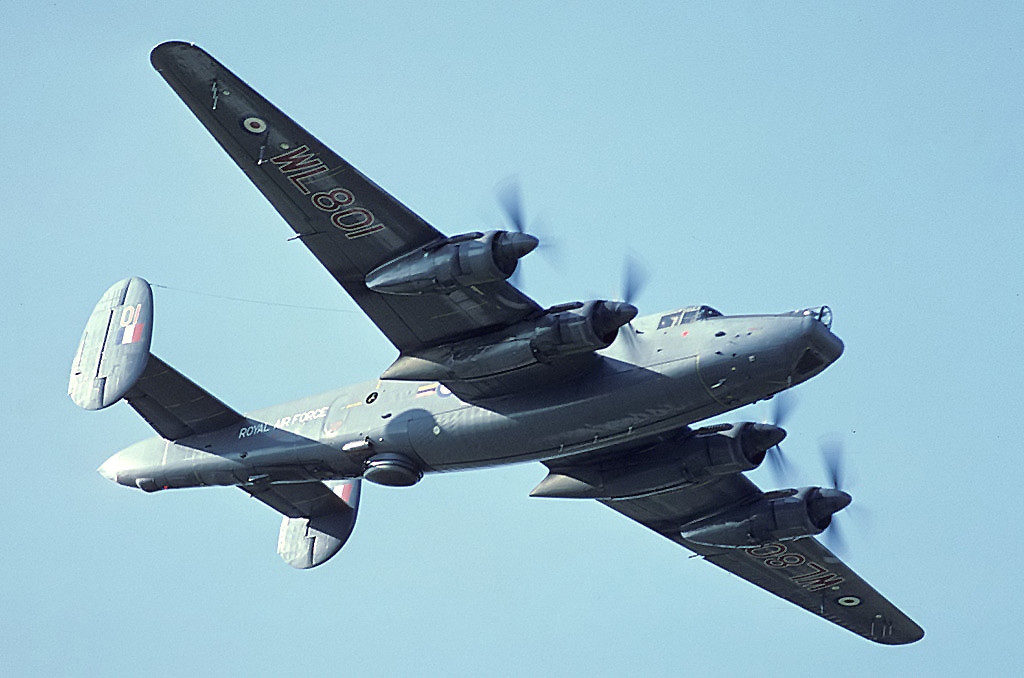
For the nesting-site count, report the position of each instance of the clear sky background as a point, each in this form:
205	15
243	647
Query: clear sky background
755	159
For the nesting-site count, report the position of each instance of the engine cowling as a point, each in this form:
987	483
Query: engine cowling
465	260
716	450
777	516
564	331
733	448
589	327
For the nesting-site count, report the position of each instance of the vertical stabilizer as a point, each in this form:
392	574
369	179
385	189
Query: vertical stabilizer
114	349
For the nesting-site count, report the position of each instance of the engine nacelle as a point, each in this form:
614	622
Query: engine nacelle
732	448
777	516
717	450
588	327
567	330
464	260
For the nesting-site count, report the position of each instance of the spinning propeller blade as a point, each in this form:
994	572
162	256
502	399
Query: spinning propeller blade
782	405
832	458
634	278
510	197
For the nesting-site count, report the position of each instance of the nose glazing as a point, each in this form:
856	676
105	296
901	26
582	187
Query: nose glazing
815	349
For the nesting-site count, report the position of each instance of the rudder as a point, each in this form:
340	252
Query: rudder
114	349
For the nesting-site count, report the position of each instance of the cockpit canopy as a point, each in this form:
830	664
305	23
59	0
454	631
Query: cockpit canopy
688	315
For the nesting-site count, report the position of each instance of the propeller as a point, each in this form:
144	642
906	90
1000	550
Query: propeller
634	278
834	499
782	406
510	197
832	457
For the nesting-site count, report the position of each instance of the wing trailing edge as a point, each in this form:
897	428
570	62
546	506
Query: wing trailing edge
801	571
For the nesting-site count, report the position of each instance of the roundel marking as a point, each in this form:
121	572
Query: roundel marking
848	601
254	125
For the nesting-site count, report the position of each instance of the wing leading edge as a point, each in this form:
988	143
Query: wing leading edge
801	571
350	224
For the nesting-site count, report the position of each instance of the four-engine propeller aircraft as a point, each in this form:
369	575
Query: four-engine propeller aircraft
484	376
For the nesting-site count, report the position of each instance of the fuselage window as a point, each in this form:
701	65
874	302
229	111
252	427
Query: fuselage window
690	315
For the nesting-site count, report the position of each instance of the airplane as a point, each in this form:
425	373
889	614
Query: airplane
608	401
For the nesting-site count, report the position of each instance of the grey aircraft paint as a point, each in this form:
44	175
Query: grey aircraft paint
485	377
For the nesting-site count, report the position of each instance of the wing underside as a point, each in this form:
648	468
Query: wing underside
350	224
801	571
175	405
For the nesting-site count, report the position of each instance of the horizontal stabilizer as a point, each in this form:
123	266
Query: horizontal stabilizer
114	349
175	405
317	519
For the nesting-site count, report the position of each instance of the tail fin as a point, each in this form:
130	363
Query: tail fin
318	518
114	349
113	362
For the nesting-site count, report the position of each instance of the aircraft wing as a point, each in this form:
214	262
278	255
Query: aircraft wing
802	571
349	223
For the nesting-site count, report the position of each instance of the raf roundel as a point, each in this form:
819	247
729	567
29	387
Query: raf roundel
254	125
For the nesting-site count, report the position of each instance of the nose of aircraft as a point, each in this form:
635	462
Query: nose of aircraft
816	347
829	345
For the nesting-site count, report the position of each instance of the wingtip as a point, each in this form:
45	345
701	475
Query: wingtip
158	54
906	634
914	636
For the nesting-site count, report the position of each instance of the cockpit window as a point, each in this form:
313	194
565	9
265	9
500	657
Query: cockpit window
688	315
669	320
706	312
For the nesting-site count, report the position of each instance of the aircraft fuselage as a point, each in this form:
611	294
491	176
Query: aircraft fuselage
670	377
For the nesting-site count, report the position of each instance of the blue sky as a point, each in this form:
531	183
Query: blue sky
755	159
